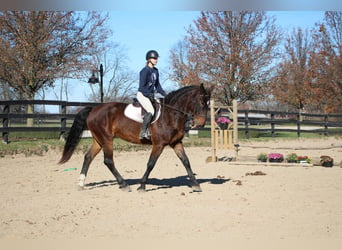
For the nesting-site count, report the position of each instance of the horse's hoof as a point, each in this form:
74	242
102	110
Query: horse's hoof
196	189
126	188
80	188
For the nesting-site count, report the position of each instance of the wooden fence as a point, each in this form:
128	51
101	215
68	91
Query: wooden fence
276	121
12	119
249	120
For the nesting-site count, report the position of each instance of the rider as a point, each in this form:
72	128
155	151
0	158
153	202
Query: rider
148	84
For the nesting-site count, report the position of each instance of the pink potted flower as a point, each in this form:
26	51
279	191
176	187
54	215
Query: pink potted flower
223	122
275	157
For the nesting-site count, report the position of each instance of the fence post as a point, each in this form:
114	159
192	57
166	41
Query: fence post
272	125
5	122
325	124
298	123
63	122
246	125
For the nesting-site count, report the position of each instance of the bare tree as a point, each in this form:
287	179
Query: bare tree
38	47
6	92
231	50
184	71
119	84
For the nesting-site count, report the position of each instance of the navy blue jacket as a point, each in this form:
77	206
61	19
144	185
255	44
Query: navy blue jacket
149	81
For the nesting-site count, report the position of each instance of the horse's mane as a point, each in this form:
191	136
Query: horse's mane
174	95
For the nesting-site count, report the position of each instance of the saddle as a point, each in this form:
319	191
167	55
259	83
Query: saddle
135	111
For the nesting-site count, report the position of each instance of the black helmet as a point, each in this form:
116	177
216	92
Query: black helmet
152	54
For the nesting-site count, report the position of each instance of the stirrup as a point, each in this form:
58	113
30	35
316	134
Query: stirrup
145	135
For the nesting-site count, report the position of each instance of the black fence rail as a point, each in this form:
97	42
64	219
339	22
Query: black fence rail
276	121
14	116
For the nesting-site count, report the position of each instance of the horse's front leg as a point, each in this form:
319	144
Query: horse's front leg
179	150
155	153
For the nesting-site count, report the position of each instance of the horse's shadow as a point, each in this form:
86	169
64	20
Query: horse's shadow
159	183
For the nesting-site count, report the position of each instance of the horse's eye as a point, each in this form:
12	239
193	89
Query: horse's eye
206	103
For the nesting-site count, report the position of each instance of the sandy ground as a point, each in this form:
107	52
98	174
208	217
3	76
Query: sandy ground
39	200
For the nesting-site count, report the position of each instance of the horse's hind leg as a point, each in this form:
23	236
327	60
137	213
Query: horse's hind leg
88	158
109	162
179	150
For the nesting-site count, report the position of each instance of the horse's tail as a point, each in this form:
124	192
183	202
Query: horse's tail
74	137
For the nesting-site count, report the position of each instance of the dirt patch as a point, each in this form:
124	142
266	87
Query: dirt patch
256	173
39	200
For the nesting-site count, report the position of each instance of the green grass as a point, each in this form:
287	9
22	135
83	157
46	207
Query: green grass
29	147
34	135
38	143
39	146
283	135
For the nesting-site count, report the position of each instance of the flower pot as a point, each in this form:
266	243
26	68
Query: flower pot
276	160
223	125
327	164
262	160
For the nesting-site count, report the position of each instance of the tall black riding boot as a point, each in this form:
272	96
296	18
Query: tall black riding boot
145	133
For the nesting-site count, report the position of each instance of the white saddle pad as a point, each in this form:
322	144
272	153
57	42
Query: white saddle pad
134	113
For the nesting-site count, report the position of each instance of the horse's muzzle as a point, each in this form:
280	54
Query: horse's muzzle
199	121
197	126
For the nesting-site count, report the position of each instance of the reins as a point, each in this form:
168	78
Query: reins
175	109
189	116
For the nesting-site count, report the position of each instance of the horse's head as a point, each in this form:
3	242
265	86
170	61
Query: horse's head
201	102
193	101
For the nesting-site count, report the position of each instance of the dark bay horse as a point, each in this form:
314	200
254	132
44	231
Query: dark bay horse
107	121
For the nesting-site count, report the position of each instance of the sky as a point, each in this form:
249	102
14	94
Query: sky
142	31
139	31
146	5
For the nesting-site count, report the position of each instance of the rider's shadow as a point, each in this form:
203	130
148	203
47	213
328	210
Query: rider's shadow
160	183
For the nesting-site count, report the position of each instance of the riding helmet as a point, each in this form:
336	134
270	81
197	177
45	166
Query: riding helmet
151	54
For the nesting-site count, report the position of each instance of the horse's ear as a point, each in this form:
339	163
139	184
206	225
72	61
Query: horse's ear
205	91
202	89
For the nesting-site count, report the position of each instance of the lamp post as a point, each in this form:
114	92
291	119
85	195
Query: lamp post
93	79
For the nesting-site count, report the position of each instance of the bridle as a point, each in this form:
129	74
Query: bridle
189	116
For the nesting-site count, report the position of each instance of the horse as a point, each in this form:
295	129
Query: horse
107	121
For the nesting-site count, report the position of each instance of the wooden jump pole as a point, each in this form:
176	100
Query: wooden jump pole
235	128
225	135
212	128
